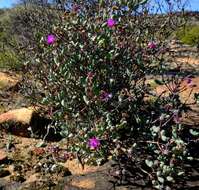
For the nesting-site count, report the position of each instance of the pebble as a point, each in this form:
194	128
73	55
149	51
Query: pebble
3	156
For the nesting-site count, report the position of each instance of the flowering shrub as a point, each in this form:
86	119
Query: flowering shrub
91	76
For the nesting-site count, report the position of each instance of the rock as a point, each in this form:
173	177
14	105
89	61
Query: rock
3	156
191	117
76	169
68	187
7	81
128	188
84	183
97	179
22	115
8	185
38	151
3	183
26	121
186	95
4	173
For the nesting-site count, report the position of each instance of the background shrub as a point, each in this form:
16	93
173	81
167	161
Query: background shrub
18	29
27	20
189	35
8	45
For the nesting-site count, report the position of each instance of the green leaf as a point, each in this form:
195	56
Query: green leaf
86	100
190	158
194	133
149	163
56	61
41	144
169	178
155	129
102	43
161	179
180	173
163	136
62	102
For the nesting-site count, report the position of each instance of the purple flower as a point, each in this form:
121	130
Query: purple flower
94	143
105	96
189	81
151	45
111	22
51	39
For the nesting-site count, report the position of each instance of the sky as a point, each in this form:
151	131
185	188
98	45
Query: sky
193	4
7	3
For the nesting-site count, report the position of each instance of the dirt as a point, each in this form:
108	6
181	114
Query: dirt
30	163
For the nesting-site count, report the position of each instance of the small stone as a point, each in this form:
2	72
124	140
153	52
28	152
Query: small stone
8	81
4	173
84	183
37	168
3	156
38	151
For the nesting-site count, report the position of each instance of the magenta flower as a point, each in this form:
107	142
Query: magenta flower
189	81
105	96
94	143
51	39
151	45
111	22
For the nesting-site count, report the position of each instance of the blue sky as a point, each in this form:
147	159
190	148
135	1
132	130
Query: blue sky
6	3
193	5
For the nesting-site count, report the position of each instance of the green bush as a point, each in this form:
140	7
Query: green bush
26	21
18	27
9	57
90	73
189	35
9	60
